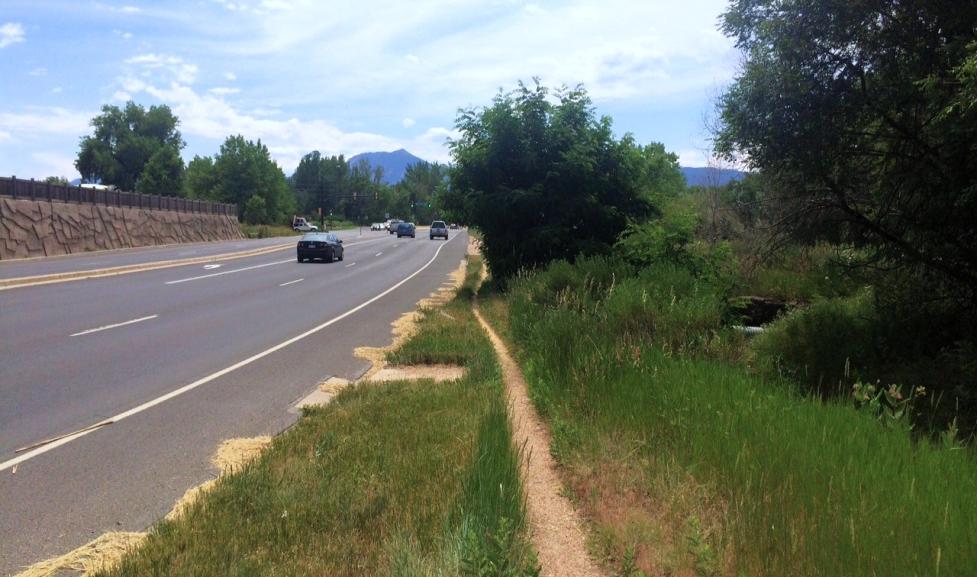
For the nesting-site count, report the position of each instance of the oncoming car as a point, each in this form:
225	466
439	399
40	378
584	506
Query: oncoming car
377	226
324	245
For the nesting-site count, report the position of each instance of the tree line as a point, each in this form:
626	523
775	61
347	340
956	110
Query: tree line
133	148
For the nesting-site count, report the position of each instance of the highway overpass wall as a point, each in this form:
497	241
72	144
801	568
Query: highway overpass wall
31	228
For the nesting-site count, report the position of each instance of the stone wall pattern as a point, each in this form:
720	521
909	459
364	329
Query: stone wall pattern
40	228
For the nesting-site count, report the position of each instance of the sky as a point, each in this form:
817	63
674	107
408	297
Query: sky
348	77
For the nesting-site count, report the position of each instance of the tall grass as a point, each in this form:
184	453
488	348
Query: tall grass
806	487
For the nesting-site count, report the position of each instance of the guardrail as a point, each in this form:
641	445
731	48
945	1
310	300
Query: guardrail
38	190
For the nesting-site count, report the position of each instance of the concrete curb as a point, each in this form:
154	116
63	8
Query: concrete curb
27	281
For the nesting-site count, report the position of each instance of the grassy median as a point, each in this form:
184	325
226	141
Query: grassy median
403	478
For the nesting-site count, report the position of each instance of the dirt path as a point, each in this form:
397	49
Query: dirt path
557	532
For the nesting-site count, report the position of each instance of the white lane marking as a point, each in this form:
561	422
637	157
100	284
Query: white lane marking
203	381
211	266
291	282
378	254
182	280
351	264
107	327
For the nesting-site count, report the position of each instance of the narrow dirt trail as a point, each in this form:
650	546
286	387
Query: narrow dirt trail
556	529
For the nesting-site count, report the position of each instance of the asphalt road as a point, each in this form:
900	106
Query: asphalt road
76	353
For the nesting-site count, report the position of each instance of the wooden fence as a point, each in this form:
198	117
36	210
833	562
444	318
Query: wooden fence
38	190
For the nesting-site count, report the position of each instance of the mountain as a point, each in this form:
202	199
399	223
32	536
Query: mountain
394	163
708	176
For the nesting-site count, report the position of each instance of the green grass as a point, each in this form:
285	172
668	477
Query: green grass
406	478
783	484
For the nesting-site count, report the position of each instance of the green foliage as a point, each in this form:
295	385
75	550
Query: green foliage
543	181
862	116
200	179
129	141
672	240
163	174
244	169
255	210
826	345
809	487
418	196
320	182
57	180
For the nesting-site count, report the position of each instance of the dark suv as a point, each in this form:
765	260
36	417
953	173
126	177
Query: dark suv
405	229
439	229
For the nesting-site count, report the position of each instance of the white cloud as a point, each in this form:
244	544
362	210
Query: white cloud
408	122
223	90
11	33
4	136
123	34
209	116
230	76
179	70
130	9
39	71
49	120
121	96
57	90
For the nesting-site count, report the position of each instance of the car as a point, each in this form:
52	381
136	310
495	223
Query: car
299	224
406	229
454	226
377	226
439	229
392	225
324	245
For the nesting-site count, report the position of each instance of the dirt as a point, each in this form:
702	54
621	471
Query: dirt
556	529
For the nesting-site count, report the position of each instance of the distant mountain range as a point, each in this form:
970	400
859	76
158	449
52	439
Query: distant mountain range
394	163
708	176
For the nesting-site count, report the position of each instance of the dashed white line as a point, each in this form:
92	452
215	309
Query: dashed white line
291	282
378	254
229	271
351	264
107	327
203	381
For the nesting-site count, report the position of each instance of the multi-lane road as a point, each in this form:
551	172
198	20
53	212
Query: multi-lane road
158	367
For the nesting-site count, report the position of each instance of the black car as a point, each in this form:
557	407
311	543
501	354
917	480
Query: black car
324	245
406	229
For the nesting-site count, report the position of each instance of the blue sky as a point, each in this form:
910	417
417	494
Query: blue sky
345	78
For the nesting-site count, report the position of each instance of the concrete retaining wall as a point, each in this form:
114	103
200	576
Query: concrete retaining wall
40	228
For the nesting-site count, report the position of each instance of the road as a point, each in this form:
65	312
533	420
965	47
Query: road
179	359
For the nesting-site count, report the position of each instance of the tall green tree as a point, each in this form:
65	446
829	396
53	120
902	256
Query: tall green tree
128	140
543	179
200	179
320	182
244	170
862	113
420	193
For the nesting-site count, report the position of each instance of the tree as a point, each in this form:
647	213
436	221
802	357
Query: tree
543	180
244	169
57	180
200	179
126	141
163	174
419	194
861	114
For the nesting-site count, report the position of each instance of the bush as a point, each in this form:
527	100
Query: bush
824	345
